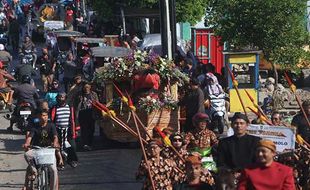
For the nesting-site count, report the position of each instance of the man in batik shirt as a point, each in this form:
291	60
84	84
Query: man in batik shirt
201	137
162	169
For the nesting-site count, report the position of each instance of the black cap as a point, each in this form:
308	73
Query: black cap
239	115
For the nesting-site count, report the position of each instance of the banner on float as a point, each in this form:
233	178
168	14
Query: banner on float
283	137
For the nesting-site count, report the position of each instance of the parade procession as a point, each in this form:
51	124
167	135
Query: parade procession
154	95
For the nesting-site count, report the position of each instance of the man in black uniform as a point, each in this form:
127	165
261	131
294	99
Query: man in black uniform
237	151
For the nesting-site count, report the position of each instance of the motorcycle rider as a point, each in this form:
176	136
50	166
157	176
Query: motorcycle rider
43	134
23	93
4	87
5	56
24	69
28	45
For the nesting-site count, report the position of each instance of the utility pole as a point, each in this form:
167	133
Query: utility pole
165	29
173	28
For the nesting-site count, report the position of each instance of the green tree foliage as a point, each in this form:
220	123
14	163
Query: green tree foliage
190	11
275	26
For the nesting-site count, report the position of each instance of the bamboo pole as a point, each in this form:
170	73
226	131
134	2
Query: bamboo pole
293	89
119	122
235	84
144	153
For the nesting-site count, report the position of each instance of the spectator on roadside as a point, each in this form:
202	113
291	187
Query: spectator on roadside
300	122
86	115
276	118
52	93
14	33
193	102
70	70
266	174
75	89
47	69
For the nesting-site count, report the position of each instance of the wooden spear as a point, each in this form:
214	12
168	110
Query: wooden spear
255	105
235	84
260	116
293	89
116	120
134	114
144	153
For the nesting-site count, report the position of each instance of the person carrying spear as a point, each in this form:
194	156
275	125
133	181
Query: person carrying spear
300	122
162	169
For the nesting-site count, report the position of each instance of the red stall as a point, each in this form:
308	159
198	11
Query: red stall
207	48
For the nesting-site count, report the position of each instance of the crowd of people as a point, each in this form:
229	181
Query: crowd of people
201	158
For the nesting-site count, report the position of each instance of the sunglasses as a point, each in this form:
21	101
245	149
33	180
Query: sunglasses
177	140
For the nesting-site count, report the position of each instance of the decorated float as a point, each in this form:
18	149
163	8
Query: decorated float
151	81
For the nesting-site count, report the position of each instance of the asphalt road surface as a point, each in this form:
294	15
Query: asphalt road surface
105	168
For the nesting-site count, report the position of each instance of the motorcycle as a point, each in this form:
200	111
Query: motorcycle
217	111
62	56
27	58
24	112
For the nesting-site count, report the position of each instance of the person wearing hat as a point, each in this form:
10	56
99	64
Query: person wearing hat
162	169
201	137
193	101
64	118
266	174
237	151
177	140
299	121
196	177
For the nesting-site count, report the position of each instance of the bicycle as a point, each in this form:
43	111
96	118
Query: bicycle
44	157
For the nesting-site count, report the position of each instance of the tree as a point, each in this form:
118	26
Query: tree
275	27
190	11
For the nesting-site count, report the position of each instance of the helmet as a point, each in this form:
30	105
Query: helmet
26	79
1	47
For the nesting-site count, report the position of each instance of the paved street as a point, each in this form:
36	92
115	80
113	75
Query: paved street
100	169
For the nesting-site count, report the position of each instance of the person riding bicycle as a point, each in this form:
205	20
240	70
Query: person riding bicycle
44	134
24	93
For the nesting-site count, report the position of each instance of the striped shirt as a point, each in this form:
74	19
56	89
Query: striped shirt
62	116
